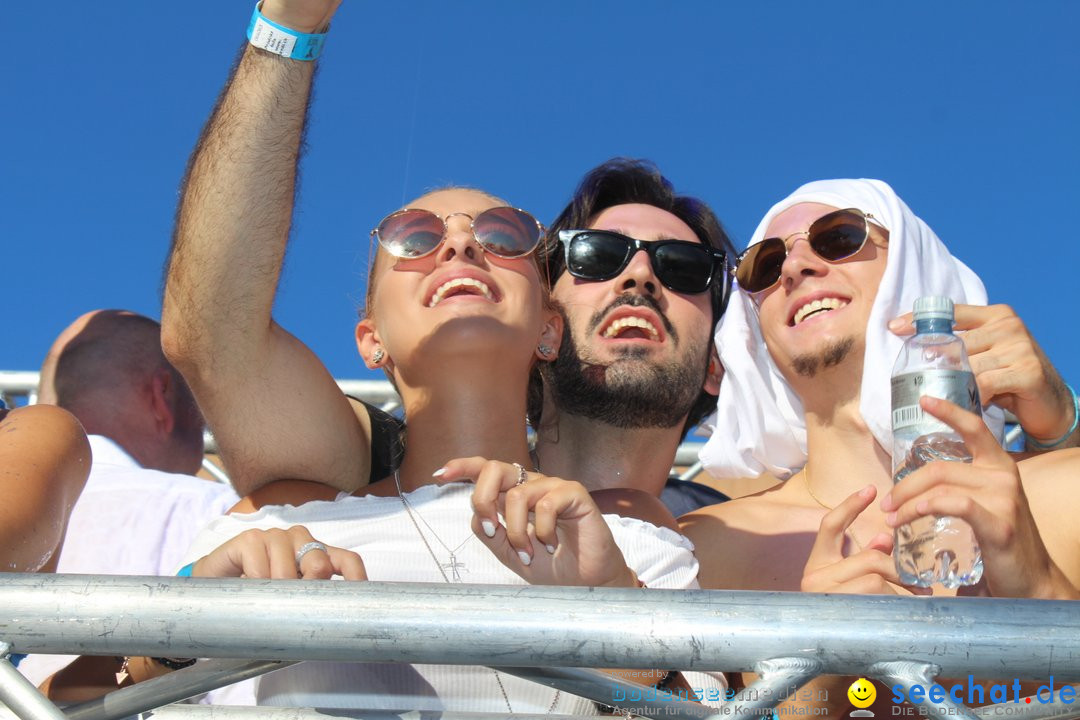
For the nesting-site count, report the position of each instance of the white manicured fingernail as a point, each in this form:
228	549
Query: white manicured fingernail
550	549
489	527
526	559
439	473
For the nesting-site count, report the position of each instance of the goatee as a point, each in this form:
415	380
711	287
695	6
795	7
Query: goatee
834	353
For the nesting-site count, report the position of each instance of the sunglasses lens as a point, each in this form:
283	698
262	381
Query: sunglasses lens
410	233
759	267
838	235
596	255
507	232
683	267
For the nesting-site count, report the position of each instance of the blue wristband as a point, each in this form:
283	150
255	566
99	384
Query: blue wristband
186	570
280	40
1068	433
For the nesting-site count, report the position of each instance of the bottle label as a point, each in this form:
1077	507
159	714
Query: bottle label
956	386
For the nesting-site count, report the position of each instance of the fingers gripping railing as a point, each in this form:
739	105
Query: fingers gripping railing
535	627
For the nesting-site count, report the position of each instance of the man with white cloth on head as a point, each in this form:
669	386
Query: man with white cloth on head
805	396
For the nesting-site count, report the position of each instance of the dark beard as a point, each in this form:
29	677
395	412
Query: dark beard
630	392
808	365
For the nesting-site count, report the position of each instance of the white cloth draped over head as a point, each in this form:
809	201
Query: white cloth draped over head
759	425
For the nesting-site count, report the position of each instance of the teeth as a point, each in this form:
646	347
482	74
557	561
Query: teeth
449	285
614	328
813	307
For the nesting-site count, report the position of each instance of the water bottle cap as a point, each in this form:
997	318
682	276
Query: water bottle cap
933	306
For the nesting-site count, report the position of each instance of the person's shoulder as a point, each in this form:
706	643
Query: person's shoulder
285	492
49	433
46	421
1051	485
628	502
727	538
738	512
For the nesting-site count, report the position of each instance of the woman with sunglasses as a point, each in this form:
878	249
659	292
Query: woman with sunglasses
457	314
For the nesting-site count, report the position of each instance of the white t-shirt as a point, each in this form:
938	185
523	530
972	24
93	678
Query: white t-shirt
381	531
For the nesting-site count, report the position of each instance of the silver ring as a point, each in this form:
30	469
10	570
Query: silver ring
522	477
306	548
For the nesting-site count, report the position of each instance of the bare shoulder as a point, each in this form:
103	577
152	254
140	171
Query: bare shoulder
628	502
1052	486
44	434
46	459
734	540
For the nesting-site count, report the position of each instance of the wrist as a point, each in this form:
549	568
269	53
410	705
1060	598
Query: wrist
279	37
292	21
626	579
1071	434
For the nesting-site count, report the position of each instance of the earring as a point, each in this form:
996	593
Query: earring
377	356
546	351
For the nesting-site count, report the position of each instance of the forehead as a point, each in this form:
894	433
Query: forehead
796	219
456	200
644	222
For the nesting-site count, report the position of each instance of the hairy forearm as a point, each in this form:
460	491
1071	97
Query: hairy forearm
235	212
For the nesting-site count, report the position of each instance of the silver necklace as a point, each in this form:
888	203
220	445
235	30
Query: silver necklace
454	565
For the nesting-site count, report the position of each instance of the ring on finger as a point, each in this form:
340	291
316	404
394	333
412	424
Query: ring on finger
522	477
305	549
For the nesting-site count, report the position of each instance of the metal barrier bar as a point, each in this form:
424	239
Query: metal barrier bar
207	712
609	690
533	626
180	685
20	695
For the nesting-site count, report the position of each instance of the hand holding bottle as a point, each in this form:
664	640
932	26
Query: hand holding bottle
986	493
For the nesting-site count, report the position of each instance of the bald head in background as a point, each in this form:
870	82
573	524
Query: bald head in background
108	370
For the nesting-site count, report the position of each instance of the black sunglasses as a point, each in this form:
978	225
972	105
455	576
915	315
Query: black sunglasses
834	237
685	267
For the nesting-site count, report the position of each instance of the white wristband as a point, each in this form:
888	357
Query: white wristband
280	40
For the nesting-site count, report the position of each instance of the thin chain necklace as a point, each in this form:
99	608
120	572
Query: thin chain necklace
453	566
809	489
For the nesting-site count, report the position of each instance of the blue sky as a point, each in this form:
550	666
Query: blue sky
969	109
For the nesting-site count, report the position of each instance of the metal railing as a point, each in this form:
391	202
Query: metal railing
547	634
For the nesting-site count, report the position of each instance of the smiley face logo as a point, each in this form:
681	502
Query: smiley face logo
862	693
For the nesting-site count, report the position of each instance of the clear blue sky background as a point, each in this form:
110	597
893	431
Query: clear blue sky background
970	109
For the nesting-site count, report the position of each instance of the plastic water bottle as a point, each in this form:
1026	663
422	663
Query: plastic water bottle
932	362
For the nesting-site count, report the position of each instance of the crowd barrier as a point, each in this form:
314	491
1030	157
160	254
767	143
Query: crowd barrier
552	635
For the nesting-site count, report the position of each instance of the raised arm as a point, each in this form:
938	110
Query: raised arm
273	407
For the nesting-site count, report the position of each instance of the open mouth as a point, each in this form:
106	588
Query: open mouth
815	308
631	328
460	286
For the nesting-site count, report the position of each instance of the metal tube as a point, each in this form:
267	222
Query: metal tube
20	695
225	712
217	473
180	685
779	678
532	626
610	690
